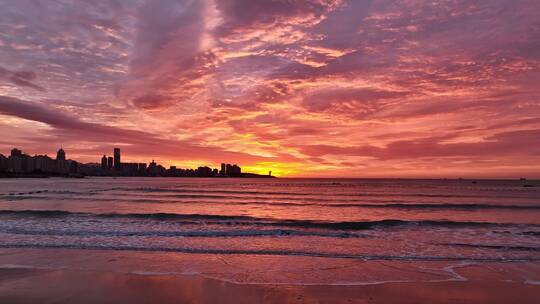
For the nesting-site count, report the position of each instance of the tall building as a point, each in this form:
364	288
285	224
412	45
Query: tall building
104	162
110	162
233	170
62	166
237	171
16	161
16	152
204	171
45	164
130	169
152	168
61	154
223	172
3	163
117	163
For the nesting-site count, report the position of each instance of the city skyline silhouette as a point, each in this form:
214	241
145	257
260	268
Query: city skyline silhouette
19	164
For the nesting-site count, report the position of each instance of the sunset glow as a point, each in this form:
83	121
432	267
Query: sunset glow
301	88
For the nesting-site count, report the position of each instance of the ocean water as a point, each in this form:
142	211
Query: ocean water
299	231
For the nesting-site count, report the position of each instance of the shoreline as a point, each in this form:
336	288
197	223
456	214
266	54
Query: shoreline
90	276
23	285
474	181
14	176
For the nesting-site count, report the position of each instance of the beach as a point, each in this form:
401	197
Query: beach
81	276
23	285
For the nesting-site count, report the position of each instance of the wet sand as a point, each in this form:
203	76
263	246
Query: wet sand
19	285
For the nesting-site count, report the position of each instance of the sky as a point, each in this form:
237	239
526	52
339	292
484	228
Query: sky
374	88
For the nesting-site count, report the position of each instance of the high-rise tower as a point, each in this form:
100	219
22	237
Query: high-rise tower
117	163
223	171
61	154
104	162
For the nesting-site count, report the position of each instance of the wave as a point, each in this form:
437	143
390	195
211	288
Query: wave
382	205
254	221
46	191
528	233
484	246
198	234
321	203
438	206
41	213
471	206
266	252
288	193
221	193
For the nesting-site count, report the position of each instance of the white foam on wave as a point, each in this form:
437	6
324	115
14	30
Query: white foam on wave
451	269
339	283
21	266
159	273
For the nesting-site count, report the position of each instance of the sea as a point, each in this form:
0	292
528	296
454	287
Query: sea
275	231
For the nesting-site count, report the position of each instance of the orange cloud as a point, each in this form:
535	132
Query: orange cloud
302	88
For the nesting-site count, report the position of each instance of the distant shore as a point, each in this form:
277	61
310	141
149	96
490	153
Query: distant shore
44	175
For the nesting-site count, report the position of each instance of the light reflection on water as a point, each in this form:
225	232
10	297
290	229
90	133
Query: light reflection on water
412	221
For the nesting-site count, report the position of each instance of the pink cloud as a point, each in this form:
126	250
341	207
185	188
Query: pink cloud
384	86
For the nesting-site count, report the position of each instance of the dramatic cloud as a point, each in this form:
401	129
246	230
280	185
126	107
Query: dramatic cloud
20	78
67	127
151	102
301	87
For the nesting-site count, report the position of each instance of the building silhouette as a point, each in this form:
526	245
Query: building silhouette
130	169
223	171
232	170
204	172
19	164
142	168
61	163
3	163
45	164
16	152
61	155
152	168
104	162
117	161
